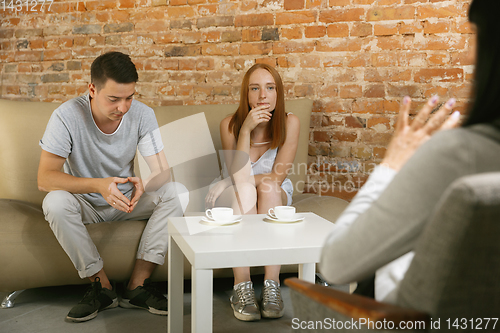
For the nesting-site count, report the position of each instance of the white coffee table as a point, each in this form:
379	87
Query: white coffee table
252	242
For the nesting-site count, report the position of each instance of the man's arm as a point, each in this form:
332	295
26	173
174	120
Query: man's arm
160	175
51	178
160	172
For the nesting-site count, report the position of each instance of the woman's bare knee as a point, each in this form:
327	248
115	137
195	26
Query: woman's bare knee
241	197
269	189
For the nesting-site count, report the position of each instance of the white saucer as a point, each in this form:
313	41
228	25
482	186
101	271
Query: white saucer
296	218
235	219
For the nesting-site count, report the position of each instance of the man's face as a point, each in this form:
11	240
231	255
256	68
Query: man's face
111	101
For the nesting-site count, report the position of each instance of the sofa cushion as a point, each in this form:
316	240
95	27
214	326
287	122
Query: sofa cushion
191	157
21	127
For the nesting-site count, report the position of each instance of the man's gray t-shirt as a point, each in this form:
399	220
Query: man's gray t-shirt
72	133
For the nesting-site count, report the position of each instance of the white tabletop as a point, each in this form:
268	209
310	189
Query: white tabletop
271	243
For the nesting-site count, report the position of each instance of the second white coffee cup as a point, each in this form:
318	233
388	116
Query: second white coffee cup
221	214
282	212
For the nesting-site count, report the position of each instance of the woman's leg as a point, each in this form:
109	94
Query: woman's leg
270	194
242	198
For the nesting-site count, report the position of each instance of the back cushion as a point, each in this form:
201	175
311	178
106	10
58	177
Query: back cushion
22	125
191	157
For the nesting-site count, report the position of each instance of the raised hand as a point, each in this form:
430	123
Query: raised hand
215	192
408	137
256	116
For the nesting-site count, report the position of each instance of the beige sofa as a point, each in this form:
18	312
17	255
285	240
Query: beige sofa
30	255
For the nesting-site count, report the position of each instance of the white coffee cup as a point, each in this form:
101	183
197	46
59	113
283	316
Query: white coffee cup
282	212
221	214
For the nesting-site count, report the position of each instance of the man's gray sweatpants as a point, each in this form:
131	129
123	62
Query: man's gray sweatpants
68	213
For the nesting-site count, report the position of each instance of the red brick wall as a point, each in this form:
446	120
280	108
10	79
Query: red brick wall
355	58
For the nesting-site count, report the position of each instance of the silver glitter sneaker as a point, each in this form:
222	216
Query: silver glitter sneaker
244	303
272	304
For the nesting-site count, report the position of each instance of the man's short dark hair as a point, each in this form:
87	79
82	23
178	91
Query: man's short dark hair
116	66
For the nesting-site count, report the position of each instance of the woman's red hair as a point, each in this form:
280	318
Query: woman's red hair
276	128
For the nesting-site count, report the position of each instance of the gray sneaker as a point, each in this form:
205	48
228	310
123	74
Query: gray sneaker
244	303
272	304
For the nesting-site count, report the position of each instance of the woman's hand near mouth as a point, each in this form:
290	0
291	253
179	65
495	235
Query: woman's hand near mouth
256	116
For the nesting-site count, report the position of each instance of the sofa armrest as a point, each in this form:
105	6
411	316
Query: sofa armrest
349	306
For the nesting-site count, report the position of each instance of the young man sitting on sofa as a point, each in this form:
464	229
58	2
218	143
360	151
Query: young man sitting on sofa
95	137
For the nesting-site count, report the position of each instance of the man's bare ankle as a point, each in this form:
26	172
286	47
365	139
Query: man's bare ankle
132	286
107	286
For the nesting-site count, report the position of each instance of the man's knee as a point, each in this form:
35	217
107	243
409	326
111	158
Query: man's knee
175	193
59	203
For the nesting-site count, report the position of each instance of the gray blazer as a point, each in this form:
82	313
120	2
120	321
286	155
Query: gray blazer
390	227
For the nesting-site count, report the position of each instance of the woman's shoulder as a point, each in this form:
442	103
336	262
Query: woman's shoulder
292	120
472	134
447	140
225	122
456	146
291	117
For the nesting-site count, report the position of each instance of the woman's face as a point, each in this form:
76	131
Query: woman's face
262	90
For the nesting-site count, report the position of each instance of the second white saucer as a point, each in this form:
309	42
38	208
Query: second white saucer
235	219
296	218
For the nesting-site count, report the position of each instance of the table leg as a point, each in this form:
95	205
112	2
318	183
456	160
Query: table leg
202	300
175	287
307	272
